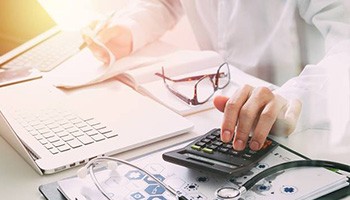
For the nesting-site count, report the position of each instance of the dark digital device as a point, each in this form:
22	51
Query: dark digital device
209	153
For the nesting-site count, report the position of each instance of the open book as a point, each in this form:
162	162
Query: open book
138	71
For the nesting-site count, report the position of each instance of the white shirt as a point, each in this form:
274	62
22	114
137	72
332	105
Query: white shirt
274	40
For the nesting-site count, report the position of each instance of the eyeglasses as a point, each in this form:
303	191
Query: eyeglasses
205	86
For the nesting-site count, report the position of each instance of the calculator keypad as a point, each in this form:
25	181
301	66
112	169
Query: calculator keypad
210	146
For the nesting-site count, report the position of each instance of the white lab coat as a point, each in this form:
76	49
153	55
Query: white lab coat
274	40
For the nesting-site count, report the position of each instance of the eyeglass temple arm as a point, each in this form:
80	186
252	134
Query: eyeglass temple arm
182	97
191	78
185	99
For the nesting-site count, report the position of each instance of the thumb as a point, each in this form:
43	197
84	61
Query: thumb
107	34
220	102
293	112
287	120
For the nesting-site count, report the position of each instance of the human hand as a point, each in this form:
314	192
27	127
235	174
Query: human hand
258	110
117	39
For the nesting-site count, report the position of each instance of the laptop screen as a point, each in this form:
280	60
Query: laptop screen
21	21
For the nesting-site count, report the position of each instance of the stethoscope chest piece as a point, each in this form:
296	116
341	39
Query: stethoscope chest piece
227	192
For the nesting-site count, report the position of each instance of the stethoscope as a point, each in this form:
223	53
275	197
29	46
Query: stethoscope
223	193
82	172
234	193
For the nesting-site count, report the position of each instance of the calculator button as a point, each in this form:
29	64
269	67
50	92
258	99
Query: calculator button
251	152
233	152
211	137
217	143
207	150
223	149
247	155
216	133
229	146
195	147
206	140
213	147
201	144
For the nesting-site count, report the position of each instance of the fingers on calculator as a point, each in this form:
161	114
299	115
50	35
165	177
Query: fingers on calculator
209	153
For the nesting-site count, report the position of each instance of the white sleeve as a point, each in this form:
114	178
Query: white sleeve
312	85
149	19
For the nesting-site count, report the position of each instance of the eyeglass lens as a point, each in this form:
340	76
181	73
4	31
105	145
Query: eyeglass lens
224	76
205	89
206	86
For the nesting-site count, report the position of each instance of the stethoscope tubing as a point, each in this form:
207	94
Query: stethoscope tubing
294	164
238	192
95	161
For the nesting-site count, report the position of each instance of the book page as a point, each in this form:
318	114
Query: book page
84	69
174	64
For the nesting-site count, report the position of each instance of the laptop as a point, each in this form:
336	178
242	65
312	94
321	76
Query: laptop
55	130
30	38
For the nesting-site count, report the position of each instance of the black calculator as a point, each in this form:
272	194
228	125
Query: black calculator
209	153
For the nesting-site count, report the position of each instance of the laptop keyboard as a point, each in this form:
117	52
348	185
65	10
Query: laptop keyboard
60	131
50	53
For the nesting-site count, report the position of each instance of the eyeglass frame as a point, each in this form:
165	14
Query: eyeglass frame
194	101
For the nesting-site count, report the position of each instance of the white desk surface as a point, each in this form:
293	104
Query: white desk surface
19	181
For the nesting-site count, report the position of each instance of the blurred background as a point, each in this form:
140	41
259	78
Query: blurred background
73	15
